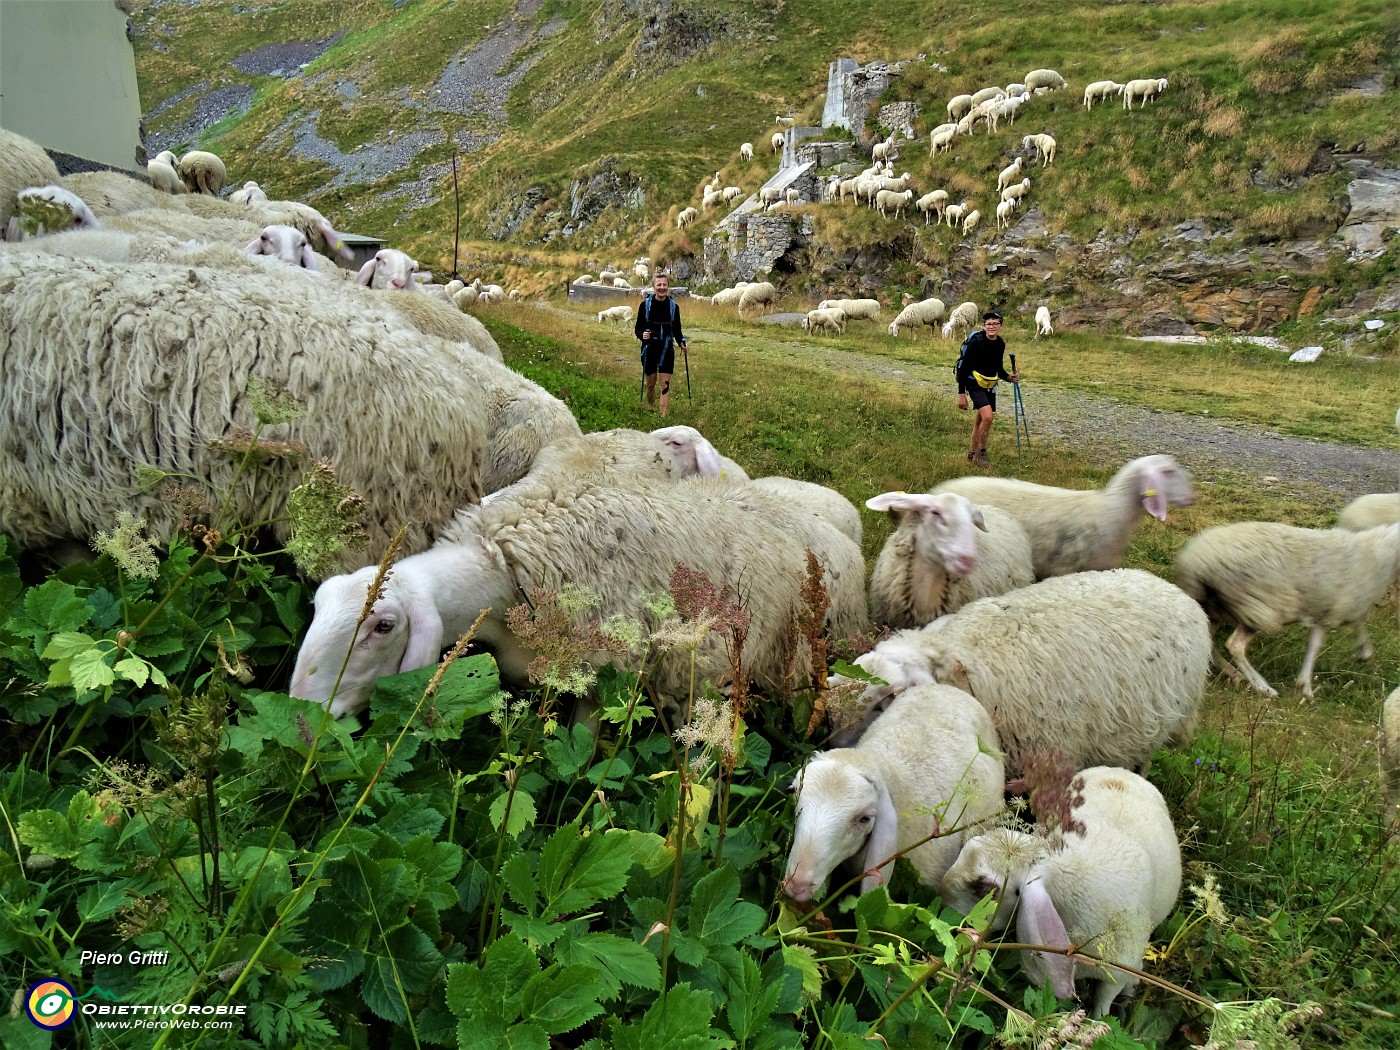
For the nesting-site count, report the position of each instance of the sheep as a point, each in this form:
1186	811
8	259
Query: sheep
1261	576
1006	110
987	94
769	194
436	317
881	150
935	562
585	278
284	243
926	311
929	763
833	321
390	268
793	196
618	282
970	221
1009	174
686	217
715	180
1074	530
1044	144
163	172
1016	190
158	369
466	297
620	457
452	287
696	456
641	271
110	193
614	314
964	315
710	198
823	502
760	293
48	210
305	218
1102	887
607	275
1042	322
942	141
1005	209
958	106
202	172
1390	760
953	213
893	199
1012	90
968	124
746	151
931	203
23	163
729	296
1099	90
777	141
1365	512
251	193
731	194
623	543
1104	666
1044	80
855	309
1147	90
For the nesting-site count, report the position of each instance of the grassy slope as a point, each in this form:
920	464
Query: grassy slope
1256	87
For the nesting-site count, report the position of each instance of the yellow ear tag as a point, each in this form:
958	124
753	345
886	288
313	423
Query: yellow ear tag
1149	492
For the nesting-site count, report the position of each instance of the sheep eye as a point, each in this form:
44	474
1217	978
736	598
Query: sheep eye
864	818
384	626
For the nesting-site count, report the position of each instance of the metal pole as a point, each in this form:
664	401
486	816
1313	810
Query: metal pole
1019	420
685	353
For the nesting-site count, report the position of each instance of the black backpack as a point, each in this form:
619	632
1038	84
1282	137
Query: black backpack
962	352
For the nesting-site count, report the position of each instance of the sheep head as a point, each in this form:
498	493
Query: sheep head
943	524
692	451
841	811
1160	482
995	863
285	243
391	269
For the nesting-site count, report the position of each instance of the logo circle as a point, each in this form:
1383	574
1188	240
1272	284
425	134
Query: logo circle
50	1004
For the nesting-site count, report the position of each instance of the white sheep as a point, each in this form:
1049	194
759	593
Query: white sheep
452	287
615	314
953	213
695	455
1044	80
251	193
607	275
1005	210
1009	174
925	312
793	195
1106	667
1005	110
202	172
964	315
1044	144
881	150
833	321
729	296
942	141
746	151
468	296
686	217
731	194
23	163
1101	888
777	141
855	309
617	282
1016	190
641	271
1074	530
945	551
49	210
1013	89
987	94
970	221
710	199
163	171
622	543
1261	576
623	457
885	199
933	203
1366	512
1099	90
760	294
1147	90
928	764
287	244
390	268
819	500
769	194
1042	322
958	106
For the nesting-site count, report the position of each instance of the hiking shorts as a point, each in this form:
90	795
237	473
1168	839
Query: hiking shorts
980	396
658	355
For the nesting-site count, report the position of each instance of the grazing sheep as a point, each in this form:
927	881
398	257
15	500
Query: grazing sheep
935	562
696	456
892	199
942	141
390	268
709	199
1101	890
1042	322
110	193
729	296
607	275
23	163
731	194
958	106
746	151
964	315
164	173
1106	667
760	294
823	502
777	141
585	278
1006	110
930	762
1044	144
618	282
970	221
1044	80
833	321
686	217
202	172
953	213
931	203
1074	530
251	193
623	543
1099	90
1005	210
1147	90
1016	191
465	297
1366	512
854	309
614	314
641	271
1261	576
926	311
42	210
159	368
1009	174
987	94
287	244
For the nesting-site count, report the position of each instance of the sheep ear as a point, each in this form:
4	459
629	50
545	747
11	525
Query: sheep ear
424	635
707	463
1037	922
977	518
254	247
881	842
1153	491
367	272
902	502
308	259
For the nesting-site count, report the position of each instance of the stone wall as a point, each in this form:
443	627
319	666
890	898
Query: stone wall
898	118
861	89
752	243
834	112
823	155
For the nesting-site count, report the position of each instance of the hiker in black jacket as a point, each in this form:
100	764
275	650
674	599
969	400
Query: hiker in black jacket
979	368
659	328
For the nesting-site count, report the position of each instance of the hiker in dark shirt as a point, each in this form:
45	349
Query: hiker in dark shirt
979	368
659	328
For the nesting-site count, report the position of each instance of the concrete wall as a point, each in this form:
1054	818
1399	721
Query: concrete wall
68	78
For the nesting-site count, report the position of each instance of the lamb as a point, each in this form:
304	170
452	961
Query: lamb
202	172
1102	890
1009	174
686	217
622	543
159	367
959	106
1366	512
1044	144
933	202
935	562
746	151
1044	80
614	314
777	141
585	278
1147	90
163	171
819	500
833	321
23	163
968	124
1005	209
928	763
942	141
760	294
926	311
1042	322
1099	90
607	275
710	198
964	315
44	210
251	193
892	199
1012	90
1073	530
1261	576
284	243
953	213
390	268
731	194
1106	667
855	309
970	221
1016	190
466	297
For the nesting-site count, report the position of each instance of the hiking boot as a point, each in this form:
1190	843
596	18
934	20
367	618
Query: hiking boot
981	459
971	454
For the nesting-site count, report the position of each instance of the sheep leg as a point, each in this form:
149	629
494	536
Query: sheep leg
1363	643
1315	635
1237	643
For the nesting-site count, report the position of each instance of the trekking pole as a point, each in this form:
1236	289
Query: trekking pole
1019	419
685	353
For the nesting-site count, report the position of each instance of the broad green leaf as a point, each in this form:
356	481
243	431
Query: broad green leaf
56	607
468	689
518	876
47	831
679	1020
717	915
491	992
101	902
562	998
133	669
569	752
493	1035
408	960
522	812
67	644
804	961
624	961
90	670
438	863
